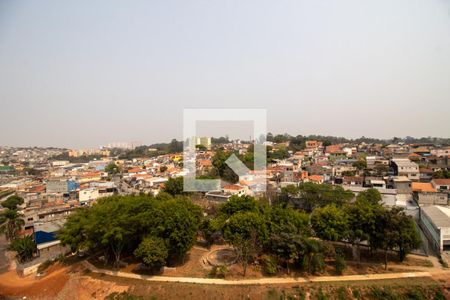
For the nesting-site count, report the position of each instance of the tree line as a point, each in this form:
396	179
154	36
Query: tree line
159	230
290	236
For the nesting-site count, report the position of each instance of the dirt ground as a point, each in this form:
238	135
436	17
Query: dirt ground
73	282
195	266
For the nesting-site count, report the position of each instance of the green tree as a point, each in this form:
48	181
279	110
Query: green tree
24	247
74	231
201	147
373	196
360	164
313	195
397	231
112	169
238	204
285	244
12	202
246	232
311	255
329	222
282	218
152	251
287	193
362	222
381	169
174	186
178	222
12	223
118	224
441	174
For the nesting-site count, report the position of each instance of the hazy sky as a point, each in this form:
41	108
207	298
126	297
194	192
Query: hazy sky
85	73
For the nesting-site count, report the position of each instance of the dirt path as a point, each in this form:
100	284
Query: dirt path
260	281
36	288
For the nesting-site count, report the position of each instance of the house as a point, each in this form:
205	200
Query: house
402	184
423	187
405	167
134	171
426	174
45	236
435	222
88	195
442	184
430	198
63	186
315	179
217	196
353	180
442	152
235	189
374	182
90	176
340	170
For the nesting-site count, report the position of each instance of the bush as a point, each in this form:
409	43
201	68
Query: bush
321	295
218	272
342	294
438	295
356	294
379	293
415	293
270	265
339	262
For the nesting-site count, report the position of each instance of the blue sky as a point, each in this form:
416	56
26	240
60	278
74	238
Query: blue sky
85	73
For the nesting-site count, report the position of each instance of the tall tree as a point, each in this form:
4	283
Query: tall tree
246	232
12	202
152	251
12	223
329	222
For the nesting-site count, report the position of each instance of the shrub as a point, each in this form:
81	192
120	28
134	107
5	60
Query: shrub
218	272
438	295
356	294
385	293
321	295
339	262
415	293
342	294
270	265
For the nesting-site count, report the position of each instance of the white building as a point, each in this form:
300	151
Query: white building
435	220
88	195
405	167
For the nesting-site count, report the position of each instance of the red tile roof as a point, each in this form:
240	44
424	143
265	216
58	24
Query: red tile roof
422	187
442	181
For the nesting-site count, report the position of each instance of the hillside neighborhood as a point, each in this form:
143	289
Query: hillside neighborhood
45	190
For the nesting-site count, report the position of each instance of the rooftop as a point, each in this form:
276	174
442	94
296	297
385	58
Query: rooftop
442	181
440	215
422	187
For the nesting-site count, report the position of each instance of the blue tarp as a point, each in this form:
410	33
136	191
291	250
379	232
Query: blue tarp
42	237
